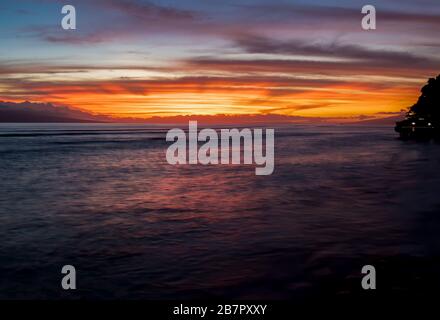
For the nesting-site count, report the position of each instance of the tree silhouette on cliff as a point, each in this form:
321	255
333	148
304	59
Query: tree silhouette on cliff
428	105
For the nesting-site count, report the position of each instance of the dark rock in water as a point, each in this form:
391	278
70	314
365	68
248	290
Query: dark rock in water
423	118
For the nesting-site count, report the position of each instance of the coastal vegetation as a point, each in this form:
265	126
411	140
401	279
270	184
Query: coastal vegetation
422	120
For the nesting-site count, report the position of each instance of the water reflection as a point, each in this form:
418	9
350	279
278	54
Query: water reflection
107	202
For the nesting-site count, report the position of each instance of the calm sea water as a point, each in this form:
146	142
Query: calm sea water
103	198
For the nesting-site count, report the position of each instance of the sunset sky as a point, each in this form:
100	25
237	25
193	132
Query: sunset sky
133	58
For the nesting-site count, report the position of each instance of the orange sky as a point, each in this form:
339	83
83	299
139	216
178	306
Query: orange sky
142	59
146	98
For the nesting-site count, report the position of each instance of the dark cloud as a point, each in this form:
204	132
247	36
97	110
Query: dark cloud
148	10
336	13
298	107
115	20
196	84
364	117
330	68
257	44
385	113
122	19
72	38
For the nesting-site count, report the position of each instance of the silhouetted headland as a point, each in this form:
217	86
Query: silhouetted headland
423	118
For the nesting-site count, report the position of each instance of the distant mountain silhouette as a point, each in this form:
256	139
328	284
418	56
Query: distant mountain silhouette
47	112
423	118
44	112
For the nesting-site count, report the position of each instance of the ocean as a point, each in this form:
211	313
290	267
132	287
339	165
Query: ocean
103	198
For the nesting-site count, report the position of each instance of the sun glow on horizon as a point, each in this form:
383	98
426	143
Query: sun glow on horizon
139	59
